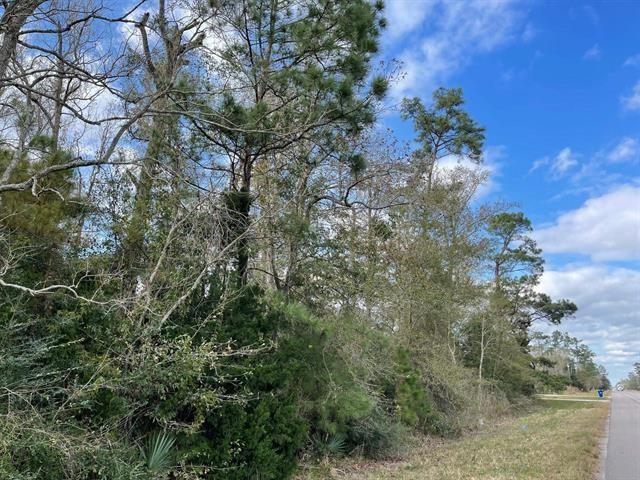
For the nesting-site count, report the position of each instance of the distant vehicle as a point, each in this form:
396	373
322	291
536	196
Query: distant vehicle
620	388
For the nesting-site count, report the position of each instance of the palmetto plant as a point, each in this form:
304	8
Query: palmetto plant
329	445
157	451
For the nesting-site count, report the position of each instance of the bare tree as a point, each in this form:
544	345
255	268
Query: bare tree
15	16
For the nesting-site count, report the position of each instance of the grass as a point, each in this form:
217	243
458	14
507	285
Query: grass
558	441
574	397
563	404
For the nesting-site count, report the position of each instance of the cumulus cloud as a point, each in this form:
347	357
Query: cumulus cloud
604	228
632	101
593	53
608	316
456	32
627	149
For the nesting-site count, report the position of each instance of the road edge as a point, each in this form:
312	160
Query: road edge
604	441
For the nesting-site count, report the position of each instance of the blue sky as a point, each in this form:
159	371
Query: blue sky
557	85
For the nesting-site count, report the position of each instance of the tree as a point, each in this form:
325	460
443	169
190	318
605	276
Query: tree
562	360
15	15
301	78
444	129
517	268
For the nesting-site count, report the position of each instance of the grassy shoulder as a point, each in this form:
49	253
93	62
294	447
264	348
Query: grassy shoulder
575	396
558	441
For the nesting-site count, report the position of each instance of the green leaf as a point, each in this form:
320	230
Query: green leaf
157	454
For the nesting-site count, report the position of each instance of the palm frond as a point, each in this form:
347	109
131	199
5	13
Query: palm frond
157	451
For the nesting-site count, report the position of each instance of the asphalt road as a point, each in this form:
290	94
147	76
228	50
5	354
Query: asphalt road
622	460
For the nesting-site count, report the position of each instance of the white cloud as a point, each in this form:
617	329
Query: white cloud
456	32
604	228
593	53
632	101
541	162
627	149
601	293
404	16
608	314
563	162
632	61
559	165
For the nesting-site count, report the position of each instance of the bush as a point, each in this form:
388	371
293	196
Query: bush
378	436
260	434
549	383
33	450
413	401
311	386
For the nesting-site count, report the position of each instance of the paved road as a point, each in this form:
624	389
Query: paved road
623	447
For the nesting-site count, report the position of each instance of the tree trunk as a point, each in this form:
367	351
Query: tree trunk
481	361
12	21
243	209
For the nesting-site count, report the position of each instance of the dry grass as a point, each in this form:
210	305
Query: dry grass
557	442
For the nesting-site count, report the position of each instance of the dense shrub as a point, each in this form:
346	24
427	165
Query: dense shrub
414	403
379	435
549	383
307	388
260	433
33	450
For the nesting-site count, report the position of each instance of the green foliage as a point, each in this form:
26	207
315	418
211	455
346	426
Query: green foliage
505	363
299	390
517	267
379	87
328	445
549	383
157	451
561	360
378	435
357	163
415	407
262	434
41	219
33	450
445	128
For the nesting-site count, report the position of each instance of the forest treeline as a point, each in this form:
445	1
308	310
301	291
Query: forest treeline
563	361
215	262
632	382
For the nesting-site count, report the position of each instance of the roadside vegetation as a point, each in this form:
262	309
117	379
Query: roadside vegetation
632	382
559	440
215	263
564	362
